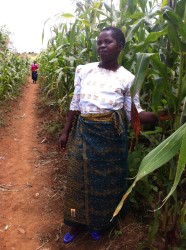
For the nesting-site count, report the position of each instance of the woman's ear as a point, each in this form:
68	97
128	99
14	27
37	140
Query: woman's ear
122	45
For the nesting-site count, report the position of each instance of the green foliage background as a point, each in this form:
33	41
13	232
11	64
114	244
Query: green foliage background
155	51
13	68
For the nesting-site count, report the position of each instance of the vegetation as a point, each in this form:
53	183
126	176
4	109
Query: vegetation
13	68
155	49
155	52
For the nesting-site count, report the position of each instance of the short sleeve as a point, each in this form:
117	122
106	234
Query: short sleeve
128	101
74	105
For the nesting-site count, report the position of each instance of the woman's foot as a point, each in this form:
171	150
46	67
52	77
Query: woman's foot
96	235
70	236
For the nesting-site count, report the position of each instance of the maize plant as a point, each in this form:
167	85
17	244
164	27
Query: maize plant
13	69
155	51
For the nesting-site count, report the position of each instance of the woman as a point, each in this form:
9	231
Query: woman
34	68
97	162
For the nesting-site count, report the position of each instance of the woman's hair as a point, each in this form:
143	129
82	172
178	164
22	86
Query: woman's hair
117	34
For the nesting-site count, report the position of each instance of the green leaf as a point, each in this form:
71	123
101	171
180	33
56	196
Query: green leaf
157	93
152	132
67	15
176	21
137	15
181	9
143	5
154	36
82	51
162	153
59	76
183	88
180	167
97	4
86	23
53	60
164	3
140	47
43	32
158	65
183	115
132	6
140	72
123	4
69	58
156	158
174	38
107	7
133	29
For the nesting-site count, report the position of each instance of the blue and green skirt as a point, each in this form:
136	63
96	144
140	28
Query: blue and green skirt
97	170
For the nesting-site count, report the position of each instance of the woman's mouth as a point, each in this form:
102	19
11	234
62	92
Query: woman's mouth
102	52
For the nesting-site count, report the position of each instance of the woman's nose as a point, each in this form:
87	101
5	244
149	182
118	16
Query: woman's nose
102	45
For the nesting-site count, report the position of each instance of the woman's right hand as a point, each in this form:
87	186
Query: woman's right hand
66	130
62	140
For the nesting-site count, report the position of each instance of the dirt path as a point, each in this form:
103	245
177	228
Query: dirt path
25	180
32	184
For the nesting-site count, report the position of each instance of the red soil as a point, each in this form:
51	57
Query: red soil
32	184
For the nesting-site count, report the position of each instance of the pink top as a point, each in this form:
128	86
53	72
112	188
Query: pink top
34	67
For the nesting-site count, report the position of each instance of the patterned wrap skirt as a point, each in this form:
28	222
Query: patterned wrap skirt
34	75
97	170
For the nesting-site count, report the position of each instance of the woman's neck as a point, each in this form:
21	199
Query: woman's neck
110	66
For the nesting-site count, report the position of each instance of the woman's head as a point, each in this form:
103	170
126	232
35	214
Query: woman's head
110	42
117	34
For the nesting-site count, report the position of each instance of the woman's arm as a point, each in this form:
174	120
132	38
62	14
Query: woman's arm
148	118
74	110
66	130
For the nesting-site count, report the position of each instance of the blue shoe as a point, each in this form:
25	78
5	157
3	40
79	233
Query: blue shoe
96	235
68	238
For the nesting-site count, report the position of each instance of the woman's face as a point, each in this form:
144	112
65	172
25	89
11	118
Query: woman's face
107	47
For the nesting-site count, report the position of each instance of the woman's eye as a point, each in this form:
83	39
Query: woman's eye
107	42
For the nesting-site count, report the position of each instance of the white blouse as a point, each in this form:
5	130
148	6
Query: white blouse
99	90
